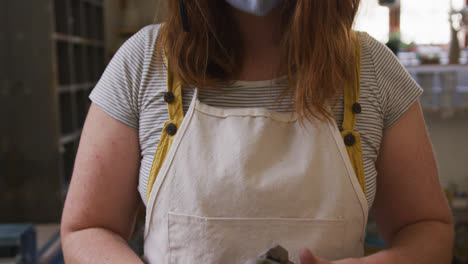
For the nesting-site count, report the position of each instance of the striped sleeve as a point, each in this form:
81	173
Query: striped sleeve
397	89
116	93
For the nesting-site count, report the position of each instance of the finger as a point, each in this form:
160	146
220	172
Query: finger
307	257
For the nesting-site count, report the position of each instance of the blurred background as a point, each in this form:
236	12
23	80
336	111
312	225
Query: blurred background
52	53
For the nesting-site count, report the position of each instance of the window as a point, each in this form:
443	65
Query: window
422	21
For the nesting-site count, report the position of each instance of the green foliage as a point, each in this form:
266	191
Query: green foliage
394	43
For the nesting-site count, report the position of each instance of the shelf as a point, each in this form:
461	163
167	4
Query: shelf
68	157
61	16
463	111
100	22
77	17
88	18
101	62
94	20
94	2
77	40
67	122
437	68
76	87
82	105
68	138
71	36
91	63
63	61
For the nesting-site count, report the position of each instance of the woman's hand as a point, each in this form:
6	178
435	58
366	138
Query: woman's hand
308	258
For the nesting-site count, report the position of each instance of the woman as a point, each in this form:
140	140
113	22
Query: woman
242	163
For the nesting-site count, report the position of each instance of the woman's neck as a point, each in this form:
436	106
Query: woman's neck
260	39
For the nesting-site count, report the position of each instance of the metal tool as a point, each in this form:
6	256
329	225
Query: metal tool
275	255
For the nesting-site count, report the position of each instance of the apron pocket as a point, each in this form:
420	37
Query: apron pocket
194	239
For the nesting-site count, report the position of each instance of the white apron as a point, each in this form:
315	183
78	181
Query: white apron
238	181
228	184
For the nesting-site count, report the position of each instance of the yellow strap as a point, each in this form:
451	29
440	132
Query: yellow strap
176	115
351	96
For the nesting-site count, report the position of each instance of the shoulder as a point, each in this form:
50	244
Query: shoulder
136	60
395	88
147	36
371	44
119	89
384	62
130	64
384	65
140	46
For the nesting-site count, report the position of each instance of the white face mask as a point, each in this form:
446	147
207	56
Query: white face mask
255	7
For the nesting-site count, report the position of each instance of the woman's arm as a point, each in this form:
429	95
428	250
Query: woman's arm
410	208
102	200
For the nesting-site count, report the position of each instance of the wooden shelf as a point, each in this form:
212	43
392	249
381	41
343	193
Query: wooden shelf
76	87
70	62
94	2
77	40
80	61
463	111
68	138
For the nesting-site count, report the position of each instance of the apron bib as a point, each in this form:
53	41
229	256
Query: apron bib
227	184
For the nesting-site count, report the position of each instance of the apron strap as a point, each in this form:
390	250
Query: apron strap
173	98
352	108
352	139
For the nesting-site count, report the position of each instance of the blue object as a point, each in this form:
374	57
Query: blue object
57	256
18	241
373	237
375	242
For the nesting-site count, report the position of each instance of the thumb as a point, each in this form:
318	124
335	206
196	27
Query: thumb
307	257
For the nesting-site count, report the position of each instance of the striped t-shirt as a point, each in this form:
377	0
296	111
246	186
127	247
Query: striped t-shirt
133	85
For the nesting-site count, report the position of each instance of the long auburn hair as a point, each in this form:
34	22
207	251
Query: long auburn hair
317	48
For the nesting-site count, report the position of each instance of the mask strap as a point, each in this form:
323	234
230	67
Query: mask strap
183	16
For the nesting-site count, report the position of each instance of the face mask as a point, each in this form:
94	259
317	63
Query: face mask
255	7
